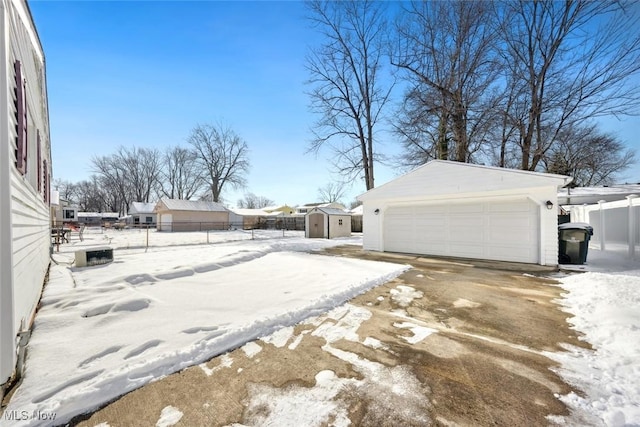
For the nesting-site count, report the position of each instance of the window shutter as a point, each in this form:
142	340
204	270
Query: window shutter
21	119
47	189
39	161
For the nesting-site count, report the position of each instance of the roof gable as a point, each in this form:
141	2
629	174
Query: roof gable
440	177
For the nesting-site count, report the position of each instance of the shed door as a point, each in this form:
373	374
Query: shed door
494	230
316	225
165	222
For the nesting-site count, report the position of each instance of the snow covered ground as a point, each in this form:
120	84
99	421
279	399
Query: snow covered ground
108	329
605	304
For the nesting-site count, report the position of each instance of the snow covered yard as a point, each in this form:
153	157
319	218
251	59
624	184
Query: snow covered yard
108	329
605	304
105	330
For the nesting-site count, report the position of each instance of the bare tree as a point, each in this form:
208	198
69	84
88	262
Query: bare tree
446	51
67	190
251	201
589	156
92	195
331	192
181	176
129	175
113	182
223	155
348	90
571	62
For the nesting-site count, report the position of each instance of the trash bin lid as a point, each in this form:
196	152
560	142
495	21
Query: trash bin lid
576	226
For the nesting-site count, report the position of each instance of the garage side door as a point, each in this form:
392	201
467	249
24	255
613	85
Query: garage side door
498	230
166	222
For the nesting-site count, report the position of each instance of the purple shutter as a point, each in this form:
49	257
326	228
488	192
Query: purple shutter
38	147
21	119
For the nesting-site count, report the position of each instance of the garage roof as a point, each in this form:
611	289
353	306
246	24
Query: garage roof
190	205
440	177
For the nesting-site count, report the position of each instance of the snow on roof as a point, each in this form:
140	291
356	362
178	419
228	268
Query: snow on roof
249	212
358	210
142	208
192	205
330	211
440	177
591	195
98	215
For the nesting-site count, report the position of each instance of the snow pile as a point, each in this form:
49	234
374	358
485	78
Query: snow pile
606	309
105	330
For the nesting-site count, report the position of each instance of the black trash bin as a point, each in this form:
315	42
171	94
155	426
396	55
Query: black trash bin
573	239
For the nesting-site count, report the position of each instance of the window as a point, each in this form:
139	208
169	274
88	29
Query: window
148	220
340	222
21	120
69	214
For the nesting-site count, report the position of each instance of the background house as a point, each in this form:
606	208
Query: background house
568	197
61	211
25	176
142	214
248	219
304	209
463	210
285	209
191	215
327	223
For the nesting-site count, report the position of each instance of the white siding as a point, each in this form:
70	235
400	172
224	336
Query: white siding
24	218
449	197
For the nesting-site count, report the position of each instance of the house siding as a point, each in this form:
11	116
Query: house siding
24	216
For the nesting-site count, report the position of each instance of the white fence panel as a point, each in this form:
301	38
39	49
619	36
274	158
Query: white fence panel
615	224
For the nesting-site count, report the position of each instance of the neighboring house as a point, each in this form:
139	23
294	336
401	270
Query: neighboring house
469	211
61	211
592	195
90	219
191	215
25	176
248	218
304	209
327	223
286	209
107	219
142	214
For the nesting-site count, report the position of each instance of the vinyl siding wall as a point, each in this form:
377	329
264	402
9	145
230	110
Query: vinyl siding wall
28	195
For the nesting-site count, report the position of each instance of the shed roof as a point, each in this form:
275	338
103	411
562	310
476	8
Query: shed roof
440	177
191	205
141	208
330	211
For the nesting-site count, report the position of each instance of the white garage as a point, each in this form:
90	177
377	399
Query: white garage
469	211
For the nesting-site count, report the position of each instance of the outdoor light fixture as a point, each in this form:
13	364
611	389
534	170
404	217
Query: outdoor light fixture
549	204
377	211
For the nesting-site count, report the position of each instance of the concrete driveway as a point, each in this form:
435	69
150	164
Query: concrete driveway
448	343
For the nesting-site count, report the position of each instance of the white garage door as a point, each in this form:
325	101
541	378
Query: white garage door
495	230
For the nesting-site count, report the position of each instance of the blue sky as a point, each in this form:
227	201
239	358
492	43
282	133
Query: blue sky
145	73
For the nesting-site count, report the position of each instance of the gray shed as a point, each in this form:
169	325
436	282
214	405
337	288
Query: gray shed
327	223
